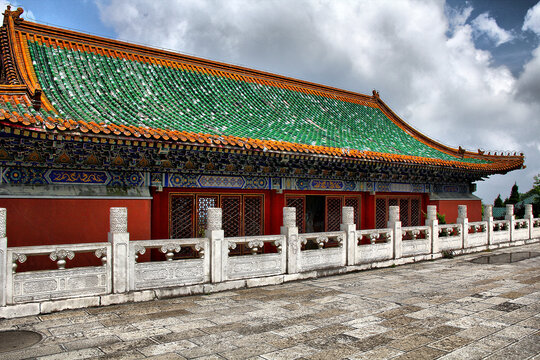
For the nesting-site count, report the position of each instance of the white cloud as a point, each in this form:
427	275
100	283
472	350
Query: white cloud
421	56
532	20
483	24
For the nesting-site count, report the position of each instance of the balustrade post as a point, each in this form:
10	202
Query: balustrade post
119	239
511	219
529	217
348	225
3	257
433	224
290	230
395	224
488	217
464	222
218	246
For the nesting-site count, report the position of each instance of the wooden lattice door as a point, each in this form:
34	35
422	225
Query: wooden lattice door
181	217
253	215
203	204
231	215
409	210
299	203
333	213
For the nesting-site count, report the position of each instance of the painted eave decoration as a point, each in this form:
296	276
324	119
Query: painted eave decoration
56	82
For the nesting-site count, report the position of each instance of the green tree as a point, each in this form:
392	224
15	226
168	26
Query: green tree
514	195
536	184
498	202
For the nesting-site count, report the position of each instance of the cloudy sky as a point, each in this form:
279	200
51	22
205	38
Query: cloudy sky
463	72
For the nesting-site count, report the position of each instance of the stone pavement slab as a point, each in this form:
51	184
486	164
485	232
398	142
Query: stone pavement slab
443	309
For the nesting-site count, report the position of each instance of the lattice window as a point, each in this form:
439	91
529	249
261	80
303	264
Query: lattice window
203	203
231	215
181	217
415	212
392	202
380	213
404	212
253	215
355	204
299	204
333	213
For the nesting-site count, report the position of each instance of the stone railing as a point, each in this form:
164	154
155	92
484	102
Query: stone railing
374	245
478	234
321	250
32	286
416	240
450	237
535	228
500	231
251	263
520	229
148	269
185	263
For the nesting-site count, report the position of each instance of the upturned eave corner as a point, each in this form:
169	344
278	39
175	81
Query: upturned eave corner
12	79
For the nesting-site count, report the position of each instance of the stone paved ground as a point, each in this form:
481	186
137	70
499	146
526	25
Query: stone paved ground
448	309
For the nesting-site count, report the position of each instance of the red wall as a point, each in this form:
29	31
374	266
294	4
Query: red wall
450	209
66	221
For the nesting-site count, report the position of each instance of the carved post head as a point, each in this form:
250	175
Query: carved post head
3	213
528	211
214	219
509	211
118	220
488	211
289	217
431	212
393	214
462	211
347	214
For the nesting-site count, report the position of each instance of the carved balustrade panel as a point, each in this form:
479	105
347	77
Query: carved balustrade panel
61	283
177	270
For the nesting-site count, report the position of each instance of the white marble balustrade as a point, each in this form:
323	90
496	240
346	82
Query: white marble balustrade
174	270
31	286
201	264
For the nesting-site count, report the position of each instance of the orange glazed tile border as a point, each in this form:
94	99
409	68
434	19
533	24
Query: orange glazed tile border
501	164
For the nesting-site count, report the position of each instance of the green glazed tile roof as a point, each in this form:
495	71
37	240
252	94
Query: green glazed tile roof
112	90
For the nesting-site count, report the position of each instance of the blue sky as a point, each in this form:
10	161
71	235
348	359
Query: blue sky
463	72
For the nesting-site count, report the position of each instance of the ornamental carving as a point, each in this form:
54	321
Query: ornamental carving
488	211
214	219
289	217
348	215
431	212
118	220
200	249
102	255
170	249
393	214
3	214
255	245
321	240
17	258
231	246
278	243
294	244
462	211
60	257
373	237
